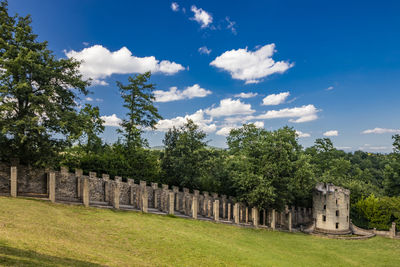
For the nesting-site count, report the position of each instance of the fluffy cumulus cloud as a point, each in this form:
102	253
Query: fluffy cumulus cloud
99	63
331	133
204	50
197	117
381	131
201	16
297	114
300	134
175	6
174	94
246	95
230	107
275	99
251	66
225	130
111	120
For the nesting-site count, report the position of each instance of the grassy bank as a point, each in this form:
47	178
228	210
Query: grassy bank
34	232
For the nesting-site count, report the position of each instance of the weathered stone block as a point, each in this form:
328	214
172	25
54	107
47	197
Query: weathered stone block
13	181
216	210
52	186
171	203
194	207
85	191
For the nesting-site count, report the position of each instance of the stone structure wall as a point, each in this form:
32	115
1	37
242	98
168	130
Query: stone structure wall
31	181
64	186
4	179
331	209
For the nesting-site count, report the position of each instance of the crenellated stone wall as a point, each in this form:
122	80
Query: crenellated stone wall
92	190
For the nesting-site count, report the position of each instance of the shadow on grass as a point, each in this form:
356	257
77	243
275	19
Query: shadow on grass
18	257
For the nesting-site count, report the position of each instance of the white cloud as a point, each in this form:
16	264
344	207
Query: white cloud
259	124
381	131
368	147
112	120
300	134
174	94
98	63
251	66
89	99
344	147
85	43
204	50
175	6
275	99
201	16
197	117
225	130
229	107
329	88
231	25
331	133
303	113
98	82
246	95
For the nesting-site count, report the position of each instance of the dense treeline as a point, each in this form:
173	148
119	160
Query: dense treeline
42	124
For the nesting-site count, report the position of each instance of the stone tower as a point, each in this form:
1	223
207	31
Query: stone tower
331	209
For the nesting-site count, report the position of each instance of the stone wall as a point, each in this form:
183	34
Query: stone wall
31	181
64	186
4	179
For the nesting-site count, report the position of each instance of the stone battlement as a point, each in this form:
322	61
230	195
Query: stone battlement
326	188
129	194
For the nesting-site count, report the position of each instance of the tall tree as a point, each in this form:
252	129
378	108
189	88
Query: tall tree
268	168
91	126
184	155
38	93
138	97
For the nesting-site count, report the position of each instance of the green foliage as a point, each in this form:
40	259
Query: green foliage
184	156
138	98
378	213
116	160
396	143
268	168
38	94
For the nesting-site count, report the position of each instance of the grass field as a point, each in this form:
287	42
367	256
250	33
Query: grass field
36	233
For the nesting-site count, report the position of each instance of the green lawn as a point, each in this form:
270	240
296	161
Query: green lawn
35	233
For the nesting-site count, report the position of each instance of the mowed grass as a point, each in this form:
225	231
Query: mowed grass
38	233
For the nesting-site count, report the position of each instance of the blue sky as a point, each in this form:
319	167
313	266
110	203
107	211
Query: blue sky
322	67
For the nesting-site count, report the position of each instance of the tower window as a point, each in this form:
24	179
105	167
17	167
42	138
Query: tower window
337	212
337	225
324	218
347	218
324	207
336	201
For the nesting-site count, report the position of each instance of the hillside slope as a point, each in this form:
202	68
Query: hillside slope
35	233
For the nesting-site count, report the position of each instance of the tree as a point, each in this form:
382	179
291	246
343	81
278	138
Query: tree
396	143
38	94
267	168
138	97
184	156
91	126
